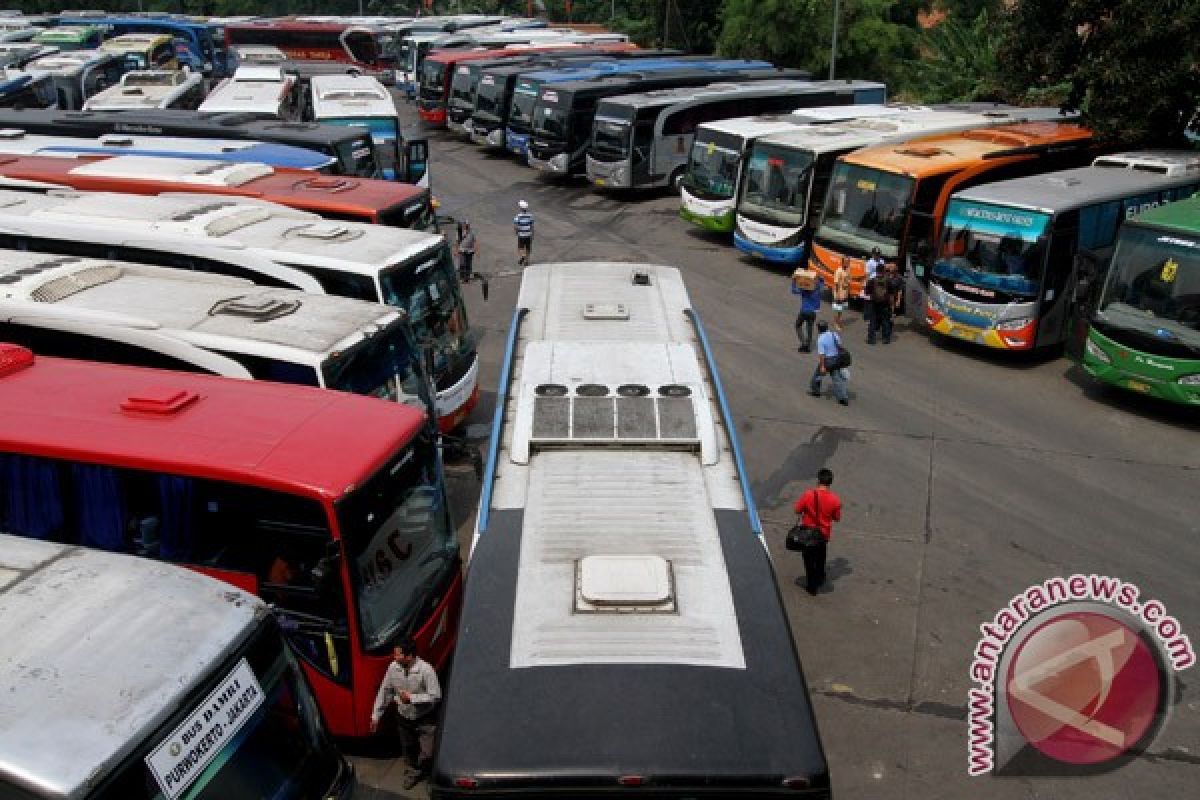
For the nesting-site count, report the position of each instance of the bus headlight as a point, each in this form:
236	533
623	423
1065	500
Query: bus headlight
496	138
936	301
1095	351
1013	324
558	163
1186	380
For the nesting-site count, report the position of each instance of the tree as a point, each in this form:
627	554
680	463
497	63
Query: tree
957	62
1129	66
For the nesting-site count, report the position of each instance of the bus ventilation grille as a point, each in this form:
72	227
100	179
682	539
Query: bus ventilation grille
67	285
595	414
260	308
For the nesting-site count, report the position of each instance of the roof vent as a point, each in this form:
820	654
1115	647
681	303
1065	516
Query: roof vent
630	584
641	277
14	358
918	150
199	211
327	231
62	288
260	308
160	400
605	311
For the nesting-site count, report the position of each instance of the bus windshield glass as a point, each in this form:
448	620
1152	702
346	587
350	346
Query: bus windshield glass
1153	287
713	168
551	119
358	156
610	137
417	215
776	186
993	247
461	88
427	289
866	208
433	79
487	97
521	112
383	366
280	751
399	542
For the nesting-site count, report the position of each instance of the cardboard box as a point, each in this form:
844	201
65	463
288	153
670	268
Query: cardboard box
804	280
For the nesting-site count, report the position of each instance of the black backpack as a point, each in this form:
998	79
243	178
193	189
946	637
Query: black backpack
879	289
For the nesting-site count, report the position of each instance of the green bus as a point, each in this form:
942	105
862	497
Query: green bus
82	37
1145	331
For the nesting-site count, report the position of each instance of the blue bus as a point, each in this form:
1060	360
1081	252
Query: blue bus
197	36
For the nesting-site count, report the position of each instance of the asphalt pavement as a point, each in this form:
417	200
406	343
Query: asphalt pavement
966	477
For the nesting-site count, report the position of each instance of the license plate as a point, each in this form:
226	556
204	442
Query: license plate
964	332
599	181
1138	386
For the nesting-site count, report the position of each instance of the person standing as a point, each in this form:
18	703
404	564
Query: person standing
879	303
894	284
523	225
818	508
405	703
840	291
465	248
810	304
829	345
874	263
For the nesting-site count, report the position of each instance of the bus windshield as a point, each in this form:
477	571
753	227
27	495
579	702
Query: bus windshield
866	208
461	89
280	751
416	215
521	111
427	288
994	247
399	542
359	157
433	80
712	171
776	186
1153	287
487	97
383	366
610	136
549	120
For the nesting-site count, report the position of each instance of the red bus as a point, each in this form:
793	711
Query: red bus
332	506
341	197
316	41
437	70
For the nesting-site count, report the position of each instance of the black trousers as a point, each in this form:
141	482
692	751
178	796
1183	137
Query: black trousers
814	566
804	328
414	736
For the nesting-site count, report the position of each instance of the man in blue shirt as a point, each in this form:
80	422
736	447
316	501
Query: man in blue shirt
810	304
523	225
828	344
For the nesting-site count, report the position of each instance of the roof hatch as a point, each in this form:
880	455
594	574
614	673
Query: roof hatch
260	307
629	584
159	400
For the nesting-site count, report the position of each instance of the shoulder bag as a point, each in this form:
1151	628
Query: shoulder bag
841	360
802	537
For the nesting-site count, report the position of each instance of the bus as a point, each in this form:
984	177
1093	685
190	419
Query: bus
893	196
350	152
14	141
618	549
257	90
314	41
144	50
398	205
644	140
196	35
274	246
1144	331
360	101
150	89
79	74
83	37
126	313
138	666
786	174
1017	259
20	90
328	505
19	54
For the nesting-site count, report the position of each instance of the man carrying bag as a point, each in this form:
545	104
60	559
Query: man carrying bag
818	508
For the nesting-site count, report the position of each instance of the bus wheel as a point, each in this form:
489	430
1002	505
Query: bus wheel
676	179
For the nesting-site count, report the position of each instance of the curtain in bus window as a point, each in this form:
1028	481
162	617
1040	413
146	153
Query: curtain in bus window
99	507
177	523
32	496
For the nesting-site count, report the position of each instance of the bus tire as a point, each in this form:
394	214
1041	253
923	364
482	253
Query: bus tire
675	182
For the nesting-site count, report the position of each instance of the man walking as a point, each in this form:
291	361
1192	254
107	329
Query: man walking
405	703
465	247
829	345
883	293
810	304
523	225
818	508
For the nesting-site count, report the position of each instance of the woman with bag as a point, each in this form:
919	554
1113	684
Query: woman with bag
818	508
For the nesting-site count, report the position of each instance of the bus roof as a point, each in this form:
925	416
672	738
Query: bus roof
298	439
717	89
754	127
1055	192
257	88
72	34
230	222
1182	215
346	95
143	89
126	639
69	62
932	155
134	42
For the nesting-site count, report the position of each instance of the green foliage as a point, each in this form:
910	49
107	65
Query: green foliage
957	62
1130	66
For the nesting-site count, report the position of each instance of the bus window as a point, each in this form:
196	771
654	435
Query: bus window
268	369
361	46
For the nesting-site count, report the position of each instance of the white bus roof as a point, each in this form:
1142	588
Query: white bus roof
143	89
259	54
200	309
127	641
248	225
348	95
752	127
1162	162
68	62
663	97
258	88
190	171
14	141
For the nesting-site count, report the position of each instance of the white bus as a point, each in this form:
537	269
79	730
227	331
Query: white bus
618	551
125	313
786	174
361	101
263	90
140	653
154	88
643	140
271	245
79	74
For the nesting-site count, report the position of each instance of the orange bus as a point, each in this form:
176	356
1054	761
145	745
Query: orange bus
893	196
341	197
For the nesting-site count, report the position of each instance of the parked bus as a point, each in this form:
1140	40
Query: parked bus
273	246
314	41
360	101
257	90
1144	334
19	90
329	505
140	665
644	140
618	545
399	205
83	37
144	50
19	54
785	175
150	89
14	141
1017	258
195	34
79	74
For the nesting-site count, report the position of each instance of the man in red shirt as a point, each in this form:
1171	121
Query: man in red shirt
818	508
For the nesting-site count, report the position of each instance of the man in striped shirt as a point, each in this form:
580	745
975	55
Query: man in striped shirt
523	225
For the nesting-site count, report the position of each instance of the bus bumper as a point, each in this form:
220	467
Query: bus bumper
1105	361
609	174
776	255
556	164
434	116
717	217
516	143
455	404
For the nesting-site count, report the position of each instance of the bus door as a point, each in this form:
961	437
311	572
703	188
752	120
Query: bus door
915	260
414	162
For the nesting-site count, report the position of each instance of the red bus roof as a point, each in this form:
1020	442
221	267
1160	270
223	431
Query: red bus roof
297	439
296	188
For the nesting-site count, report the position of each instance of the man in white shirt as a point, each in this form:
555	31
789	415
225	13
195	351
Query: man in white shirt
406	700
